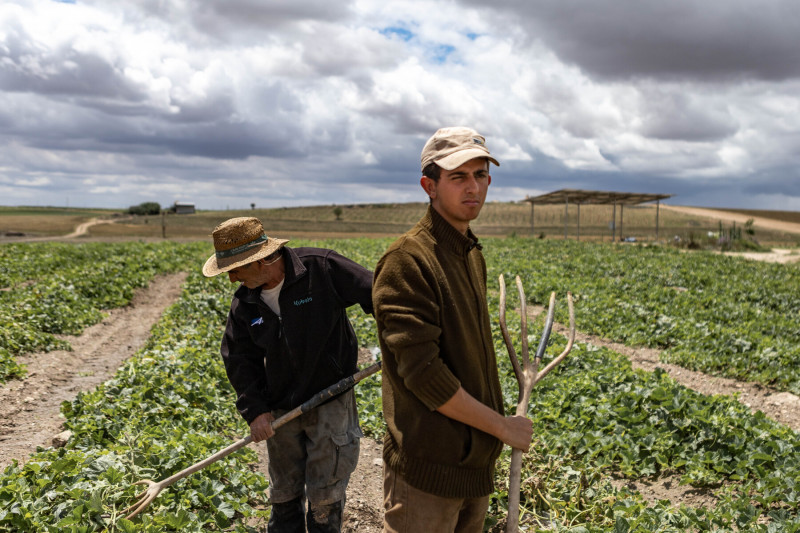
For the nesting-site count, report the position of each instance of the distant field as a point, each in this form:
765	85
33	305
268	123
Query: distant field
375	220
497	219
45	221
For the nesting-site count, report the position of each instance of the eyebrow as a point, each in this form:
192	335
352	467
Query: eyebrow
460	173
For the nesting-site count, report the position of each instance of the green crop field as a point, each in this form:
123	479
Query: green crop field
595	418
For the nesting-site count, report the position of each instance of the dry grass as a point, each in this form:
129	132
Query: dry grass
782	216
45	221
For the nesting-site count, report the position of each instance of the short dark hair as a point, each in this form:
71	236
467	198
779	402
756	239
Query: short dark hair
432	171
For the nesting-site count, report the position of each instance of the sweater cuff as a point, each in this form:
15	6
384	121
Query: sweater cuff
437	387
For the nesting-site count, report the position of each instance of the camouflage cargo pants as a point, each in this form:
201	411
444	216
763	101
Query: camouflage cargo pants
312	458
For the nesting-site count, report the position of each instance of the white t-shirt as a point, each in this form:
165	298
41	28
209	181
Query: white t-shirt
270	297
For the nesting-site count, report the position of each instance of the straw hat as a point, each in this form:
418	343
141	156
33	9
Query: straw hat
239	241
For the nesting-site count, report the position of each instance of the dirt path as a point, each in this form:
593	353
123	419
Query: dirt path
777	255
739	218
83	229
30	408
79	231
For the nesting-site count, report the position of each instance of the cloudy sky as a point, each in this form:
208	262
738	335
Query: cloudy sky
281	103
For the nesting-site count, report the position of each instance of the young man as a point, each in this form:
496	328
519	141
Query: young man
287	338
441	392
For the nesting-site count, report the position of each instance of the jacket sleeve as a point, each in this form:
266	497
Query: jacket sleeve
244	364
407	310
351	282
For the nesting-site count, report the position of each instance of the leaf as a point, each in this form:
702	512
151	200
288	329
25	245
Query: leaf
126	525
621	525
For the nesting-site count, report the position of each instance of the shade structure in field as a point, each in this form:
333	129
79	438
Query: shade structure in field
580	196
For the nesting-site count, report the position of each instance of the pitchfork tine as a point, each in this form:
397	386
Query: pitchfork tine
143	498
570	341
512	352
523	325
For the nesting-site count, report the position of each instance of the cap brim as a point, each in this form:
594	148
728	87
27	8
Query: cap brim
215	266
456	159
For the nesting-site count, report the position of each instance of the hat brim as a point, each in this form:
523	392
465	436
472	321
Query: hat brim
215	266
456	159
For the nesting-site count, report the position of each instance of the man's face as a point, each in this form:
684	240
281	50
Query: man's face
266	273
459	194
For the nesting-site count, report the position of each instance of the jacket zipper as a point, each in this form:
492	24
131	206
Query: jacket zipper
474	284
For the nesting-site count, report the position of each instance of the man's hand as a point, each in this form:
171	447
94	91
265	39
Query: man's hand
261	427
518	432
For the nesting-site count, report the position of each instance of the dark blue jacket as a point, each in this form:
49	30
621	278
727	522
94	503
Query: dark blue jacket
278	363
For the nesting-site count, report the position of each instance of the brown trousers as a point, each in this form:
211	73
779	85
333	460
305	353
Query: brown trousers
410	510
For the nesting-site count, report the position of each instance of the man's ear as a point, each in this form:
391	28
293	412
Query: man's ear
429	186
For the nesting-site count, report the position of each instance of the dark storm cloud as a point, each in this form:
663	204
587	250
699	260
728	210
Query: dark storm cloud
778	180
219	140
677	116
709	40
237	20
228	140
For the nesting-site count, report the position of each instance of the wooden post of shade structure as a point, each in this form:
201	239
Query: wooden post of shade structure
614	222
532	228
658	206
621	221
566	215
578	233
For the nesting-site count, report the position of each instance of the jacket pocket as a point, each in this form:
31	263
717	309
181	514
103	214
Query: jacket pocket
345	458
482	449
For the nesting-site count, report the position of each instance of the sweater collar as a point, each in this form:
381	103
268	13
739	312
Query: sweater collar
448	236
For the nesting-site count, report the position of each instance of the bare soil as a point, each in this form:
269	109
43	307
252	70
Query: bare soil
30	408
776	255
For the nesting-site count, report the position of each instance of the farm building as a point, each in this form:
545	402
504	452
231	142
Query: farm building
183	208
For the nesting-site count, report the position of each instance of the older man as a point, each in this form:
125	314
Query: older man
287	338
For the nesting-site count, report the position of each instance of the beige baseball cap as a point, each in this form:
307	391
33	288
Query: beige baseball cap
451	147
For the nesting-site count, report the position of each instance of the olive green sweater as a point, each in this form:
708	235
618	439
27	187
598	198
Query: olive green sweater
429	295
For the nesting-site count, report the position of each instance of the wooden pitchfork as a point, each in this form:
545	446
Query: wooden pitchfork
153	488
527	376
